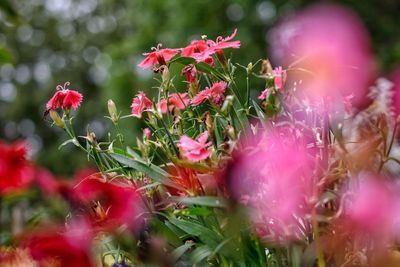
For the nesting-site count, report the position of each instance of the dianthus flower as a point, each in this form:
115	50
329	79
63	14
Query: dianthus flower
215	94
140	104
195	150
279	77
158	56
15	171
64	98
175	100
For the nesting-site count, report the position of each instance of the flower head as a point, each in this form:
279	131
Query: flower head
15	171
158	56
64	98
215	94
195	150
264	94
223	43
279	77
140	104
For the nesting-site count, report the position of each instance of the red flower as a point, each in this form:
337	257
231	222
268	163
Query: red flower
190	72
57	247
140	103
64	98
15	171
158	56
110	203
215	94
195	150
202	50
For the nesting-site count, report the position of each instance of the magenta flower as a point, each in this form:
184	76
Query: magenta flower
279	77
140	104
215	94
159	56
264	94
64	98
195	150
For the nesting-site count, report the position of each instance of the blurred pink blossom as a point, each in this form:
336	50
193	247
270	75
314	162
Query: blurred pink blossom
273	175
327	50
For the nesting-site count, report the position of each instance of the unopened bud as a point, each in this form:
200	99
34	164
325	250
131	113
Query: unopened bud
56	119
91	137
165	75
249	68
112	110
209	122
231	132
227	104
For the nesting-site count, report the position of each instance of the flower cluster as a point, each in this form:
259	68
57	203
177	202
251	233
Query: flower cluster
303	174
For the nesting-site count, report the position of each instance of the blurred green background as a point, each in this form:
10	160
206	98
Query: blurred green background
96	45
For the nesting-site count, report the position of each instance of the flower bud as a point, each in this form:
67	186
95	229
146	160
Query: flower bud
227	104
112	110
231	132
209	122
165	75
56	119
249	68
266	67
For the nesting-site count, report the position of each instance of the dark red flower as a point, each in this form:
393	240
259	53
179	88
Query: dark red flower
158	56
110	204
54	246
64	98
15	169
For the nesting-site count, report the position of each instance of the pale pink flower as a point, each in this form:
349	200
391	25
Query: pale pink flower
372	207
147	133
140	104
195	150
159	56
264	94
328	50
215	94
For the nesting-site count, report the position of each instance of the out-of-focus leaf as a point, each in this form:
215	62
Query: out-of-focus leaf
197	211
207	201
206	235
183	60
200	254
179	251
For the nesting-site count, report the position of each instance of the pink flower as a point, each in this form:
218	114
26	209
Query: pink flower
215	94
372	207
64	98
179	101
277	196
326	66
202	50
279	77
140	104
195	150
223	43
264	94
159	56
147	133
